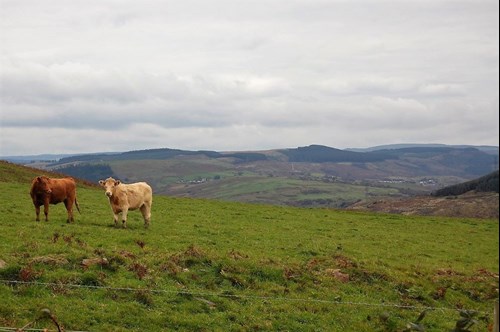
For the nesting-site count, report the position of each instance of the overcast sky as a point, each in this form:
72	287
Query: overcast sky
99	75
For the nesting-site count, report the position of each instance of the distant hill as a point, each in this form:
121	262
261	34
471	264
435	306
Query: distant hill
478	198
468	205
473	161
13	172
487	183
158	154
313	175
320	154
31	158
485	148
302	153
49	157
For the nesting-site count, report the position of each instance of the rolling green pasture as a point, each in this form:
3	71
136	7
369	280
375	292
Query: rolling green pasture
219	266
267	182
281	191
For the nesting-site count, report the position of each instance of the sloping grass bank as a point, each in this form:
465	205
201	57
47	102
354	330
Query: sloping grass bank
212	266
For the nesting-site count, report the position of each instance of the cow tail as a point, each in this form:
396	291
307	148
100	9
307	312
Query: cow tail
77	206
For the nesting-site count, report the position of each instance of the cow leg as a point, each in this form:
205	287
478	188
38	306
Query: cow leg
146	214
37	211
115	218
69	207
124	217
46	210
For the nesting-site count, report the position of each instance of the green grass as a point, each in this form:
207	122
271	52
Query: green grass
264	182
281	191
217	266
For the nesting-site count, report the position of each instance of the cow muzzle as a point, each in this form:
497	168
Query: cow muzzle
109	193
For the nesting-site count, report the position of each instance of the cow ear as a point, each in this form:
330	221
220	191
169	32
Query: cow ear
101	182
39	178
117	182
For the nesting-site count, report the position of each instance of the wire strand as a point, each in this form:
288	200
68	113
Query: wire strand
249	297
16	329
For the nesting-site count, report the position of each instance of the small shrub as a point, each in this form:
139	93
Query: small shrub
140	243
268	274
144	297
466	321
68	238
10	273
90	279
28	273
114	263
140	270
55	237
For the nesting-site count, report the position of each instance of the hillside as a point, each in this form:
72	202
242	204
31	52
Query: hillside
305	176
209	265
484	148
323	154
10	172
472	199
469	205
487	183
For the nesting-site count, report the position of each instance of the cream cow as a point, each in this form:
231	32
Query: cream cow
124	197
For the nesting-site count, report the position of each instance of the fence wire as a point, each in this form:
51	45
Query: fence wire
15	329
235	296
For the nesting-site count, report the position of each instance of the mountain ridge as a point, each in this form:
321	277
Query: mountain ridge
486	183
313	175
485	148
89	155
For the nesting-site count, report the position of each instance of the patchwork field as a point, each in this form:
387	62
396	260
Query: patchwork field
312	176
263	182
206	265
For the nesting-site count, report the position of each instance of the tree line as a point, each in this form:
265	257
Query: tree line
487	183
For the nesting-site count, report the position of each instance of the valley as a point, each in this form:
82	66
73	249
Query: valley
306	176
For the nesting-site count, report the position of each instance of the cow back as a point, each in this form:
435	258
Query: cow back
133	194
60	189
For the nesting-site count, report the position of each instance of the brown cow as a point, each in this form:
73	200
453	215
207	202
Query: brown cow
124	197
45	191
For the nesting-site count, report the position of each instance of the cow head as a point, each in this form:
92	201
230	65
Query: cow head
42	184
109	184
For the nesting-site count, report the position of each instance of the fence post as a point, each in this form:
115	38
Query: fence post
495	329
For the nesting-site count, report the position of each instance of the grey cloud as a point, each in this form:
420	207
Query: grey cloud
264	73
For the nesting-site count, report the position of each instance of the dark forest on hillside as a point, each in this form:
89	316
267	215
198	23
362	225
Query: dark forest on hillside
487	183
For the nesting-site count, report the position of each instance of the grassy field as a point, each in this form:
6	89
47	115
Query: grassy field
269	183
281	191
217	266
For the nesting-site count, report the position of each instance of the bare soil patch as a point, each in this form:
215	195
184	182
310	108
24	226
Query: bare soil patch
468	205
